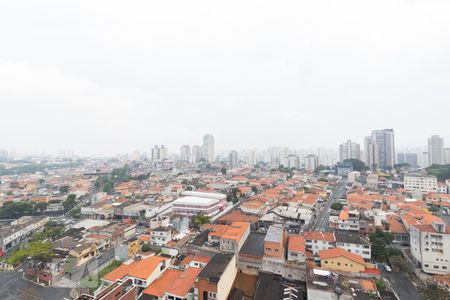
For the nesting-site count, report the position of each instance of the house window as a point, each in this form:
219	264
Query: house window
338	263
212	295
436	267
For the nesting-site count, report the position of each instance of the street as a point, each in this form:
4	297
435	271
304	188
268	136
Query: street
321	221
14	287
402	285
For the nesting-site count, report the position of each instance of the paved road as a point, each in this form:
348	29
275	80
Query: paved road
402	285
13	287
322	219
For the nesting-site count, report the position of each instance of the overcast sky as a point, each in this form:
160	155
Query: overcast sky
110	77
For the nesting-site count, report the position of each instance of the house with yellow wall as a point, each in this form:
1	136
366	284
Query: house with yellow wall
342	260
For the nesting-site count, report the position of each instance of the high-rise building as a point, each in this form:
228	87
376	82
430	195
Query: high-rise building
436	150
196	153
349	150
384	151
293	161
407	158
370	153
164	153
156	153
447	156
311	162
233	158
208	147
185	153
3	155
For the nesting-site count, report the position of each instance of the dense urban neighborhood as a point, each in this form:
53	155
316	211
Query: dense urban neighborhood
271	225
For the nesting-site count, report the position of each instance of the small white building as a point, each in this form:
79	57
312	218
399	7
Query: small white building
430	247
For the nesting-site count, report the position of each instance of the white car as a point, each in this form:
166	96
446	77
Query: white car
387	268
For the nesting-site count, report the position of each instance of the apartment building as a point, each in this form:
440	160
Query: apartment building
353	243
216	280
430	247
419	184
316	241
274	250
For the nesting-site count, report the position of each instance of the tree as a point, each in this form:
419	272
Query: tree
223	171
356	164
254	189
201	219
69	203
433	208
399	264
381	285
232	195
64	189
433	292
142	214
145	248
40	207
380	240
320	169
337	206
442	172
35	249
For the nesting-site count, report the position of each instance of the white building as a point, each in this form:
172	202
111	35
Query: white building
194	203
430	247
436	150
311	162
372	180
185	153
419	184
352	242
349	150
316	241
13	234
352	176
208	147
161	236
233	158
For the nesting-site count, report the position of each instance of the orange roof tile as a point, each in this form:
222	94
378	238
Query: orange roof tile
296	243
337	252
140	269
319	236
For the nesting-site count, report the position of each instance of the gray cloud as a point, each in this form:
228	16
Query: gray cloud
108	77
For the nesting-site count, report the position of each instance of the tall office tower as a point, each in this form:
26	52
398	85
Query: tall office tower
3	155
164	152
370	153
311	162
436	150
156	153
208	147
196	153
385	144
233	158
252	157
185	153
407	158
425	159
349	150
447	156
293	161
